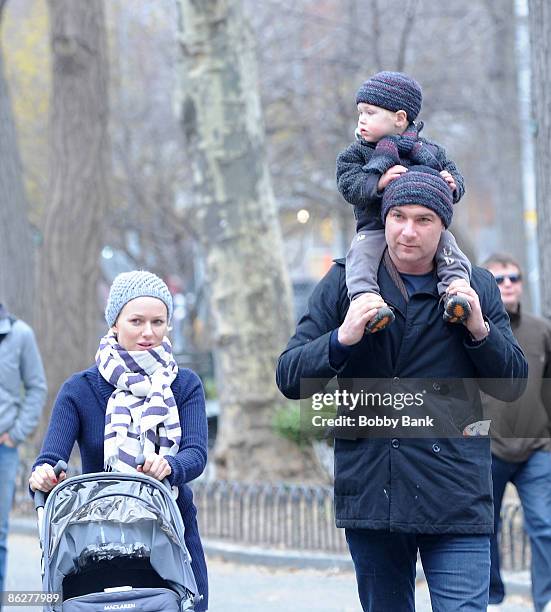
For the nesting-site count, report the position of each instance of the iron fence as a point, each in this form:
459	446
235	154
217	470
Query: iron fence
514	546
280	516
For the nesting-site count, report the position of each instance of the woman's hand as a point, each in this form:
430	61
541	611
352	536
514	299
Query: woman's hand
44	479
156	466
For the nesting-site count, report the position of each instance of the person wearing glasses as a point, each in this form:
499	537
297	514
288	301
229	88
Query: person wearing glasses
521	437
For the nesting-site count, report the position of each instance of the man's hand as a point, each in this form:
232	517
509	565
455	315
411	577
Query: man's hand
475	323
156	466
44	479
361	311
6	440
390	175
449	179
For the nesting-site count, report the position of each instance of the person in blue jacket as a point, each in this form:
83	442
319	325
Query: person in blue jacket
22	398
134	400
430	492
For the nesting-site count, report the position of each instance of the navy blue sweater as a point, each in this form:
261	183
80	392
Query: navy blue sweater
79	416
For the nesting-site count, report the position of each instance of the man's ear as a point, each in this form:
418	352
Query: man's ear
401	119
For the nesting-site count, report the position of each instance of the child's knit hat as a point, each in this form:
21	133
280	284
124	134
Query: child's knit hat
394	91
422	186
130	285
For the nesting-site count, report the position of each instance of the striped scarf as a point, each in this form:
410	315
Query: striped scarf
141	415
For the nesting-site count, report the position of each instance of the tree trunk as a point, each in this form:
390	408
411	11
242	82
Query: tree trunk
78	189
506	139
238	224
16	245
540	49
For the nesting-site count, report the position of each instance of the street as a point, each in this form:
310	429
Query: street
244	588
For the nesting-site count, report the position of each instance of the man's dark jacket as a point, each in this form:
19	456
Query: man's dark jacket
411	485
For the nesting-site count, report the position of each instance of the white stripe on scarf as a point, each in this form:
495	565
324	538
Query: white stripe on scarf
141	415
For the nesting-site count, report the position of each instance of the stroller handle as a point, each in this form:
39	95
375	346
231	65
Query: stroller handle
40	496
140	460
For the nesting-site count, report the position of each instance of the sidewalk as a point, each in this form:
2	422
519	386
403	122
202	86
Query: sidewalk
248	587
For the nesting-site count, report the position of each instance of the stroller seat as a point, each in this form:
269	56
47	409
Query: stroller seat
117	572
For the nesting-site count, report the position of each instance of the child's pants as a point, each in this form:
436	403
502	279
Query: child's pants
366	252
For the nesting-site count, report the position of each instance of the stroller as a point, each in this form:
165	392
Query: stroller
113	541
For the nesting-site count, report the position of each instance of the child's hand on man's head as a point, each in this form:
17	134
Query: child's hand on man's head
449	179
390	175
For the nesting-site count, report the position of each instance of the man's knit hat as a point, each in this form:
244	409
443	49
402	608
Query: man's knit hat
423	186
394	91
130	285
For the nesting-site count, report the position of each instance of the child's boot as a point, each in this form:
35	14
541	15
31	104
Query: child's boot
457	309
382	319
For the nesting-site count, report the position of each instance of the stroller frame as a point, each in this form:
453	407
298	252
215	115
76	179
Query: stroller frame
186	591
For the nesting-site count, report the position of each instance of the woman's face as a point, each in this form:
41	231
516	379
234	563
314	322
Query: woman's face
142	324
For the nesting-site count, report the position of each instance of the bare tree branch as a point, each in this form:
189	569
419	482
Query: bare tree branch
407	30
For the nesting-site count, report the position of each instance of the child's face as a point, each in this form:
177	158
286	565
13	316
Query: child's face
375	122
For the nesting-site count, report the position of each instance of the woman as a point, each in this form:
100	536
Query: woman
134	400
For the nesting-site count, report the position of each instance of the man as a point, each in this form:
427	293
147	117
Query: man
400	495
521	437
22	397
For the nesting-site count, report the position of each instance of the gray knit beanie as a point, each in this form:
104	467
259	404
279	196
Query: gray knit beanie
394	91
423	186
130	285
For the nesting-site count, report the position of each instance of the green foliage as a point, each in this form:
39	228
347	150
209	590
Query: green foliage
294	422
287	423
209	385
